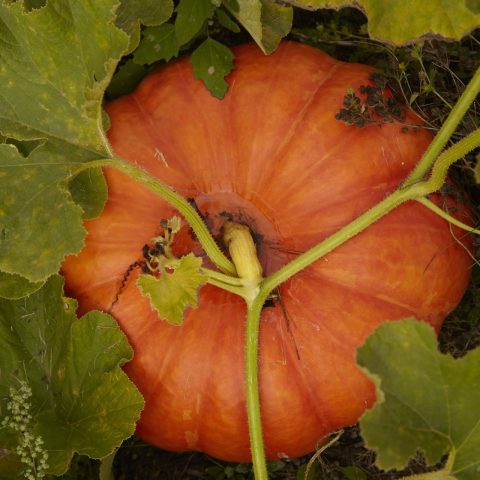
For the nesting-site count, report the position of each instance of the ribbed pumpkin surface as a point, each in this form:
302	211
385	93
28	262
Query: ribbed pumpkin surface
272	155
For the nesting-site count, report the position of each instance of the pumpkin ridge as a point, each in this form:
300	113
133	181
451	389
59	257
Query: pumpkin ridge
151	132
207	380
381	298
249	160
290	135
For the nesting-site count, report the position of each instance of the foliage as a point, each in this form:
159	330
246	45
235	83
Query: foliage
426	400
71	370
405	22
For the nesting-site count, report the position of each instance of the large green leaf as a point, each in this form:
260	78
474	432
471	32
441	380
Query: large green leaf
55	63
266	20
427	401
39	222
14	286
89	190
82	401
401	22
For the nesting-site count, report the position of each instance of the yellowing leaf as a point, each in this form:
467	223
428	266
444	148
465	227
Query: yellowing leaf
55	63
172	293
39	222
405	21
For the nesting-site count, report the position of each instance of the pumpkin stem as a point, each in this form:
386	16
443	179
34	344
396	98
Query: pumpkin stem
240	244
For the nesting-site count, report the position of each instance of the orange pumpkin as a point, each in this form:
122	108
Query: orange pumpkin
273	156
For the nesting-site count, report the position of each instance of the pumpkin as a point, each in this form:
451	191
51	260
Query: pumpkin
272	156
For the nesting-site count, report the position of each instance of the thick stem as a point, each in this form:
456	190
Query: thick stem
450	156
446	131
254	310
242	249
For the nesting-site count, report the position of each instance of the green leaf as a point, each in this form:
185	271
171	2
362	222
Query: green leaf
89	190
266	20
225	21
126	78
39	223
172	293
55	63
15	286
158	43
427	400
133	13
82	401
409	20
353	473
191	17
211	62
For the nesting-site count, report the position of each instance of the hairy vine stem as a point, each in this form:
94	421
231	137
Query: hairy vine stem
175	200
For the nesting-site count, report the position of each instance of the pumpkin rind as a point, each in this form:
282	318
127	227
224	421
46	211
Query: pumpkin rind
272	155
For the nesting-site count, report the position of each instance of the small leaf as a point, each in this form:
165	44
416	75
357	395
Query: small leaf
133	13
82	401
211	62
89	190
427	401
266	20
14	286
353	473
158	43
410	20
191	17
276	23
225	21
172	293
